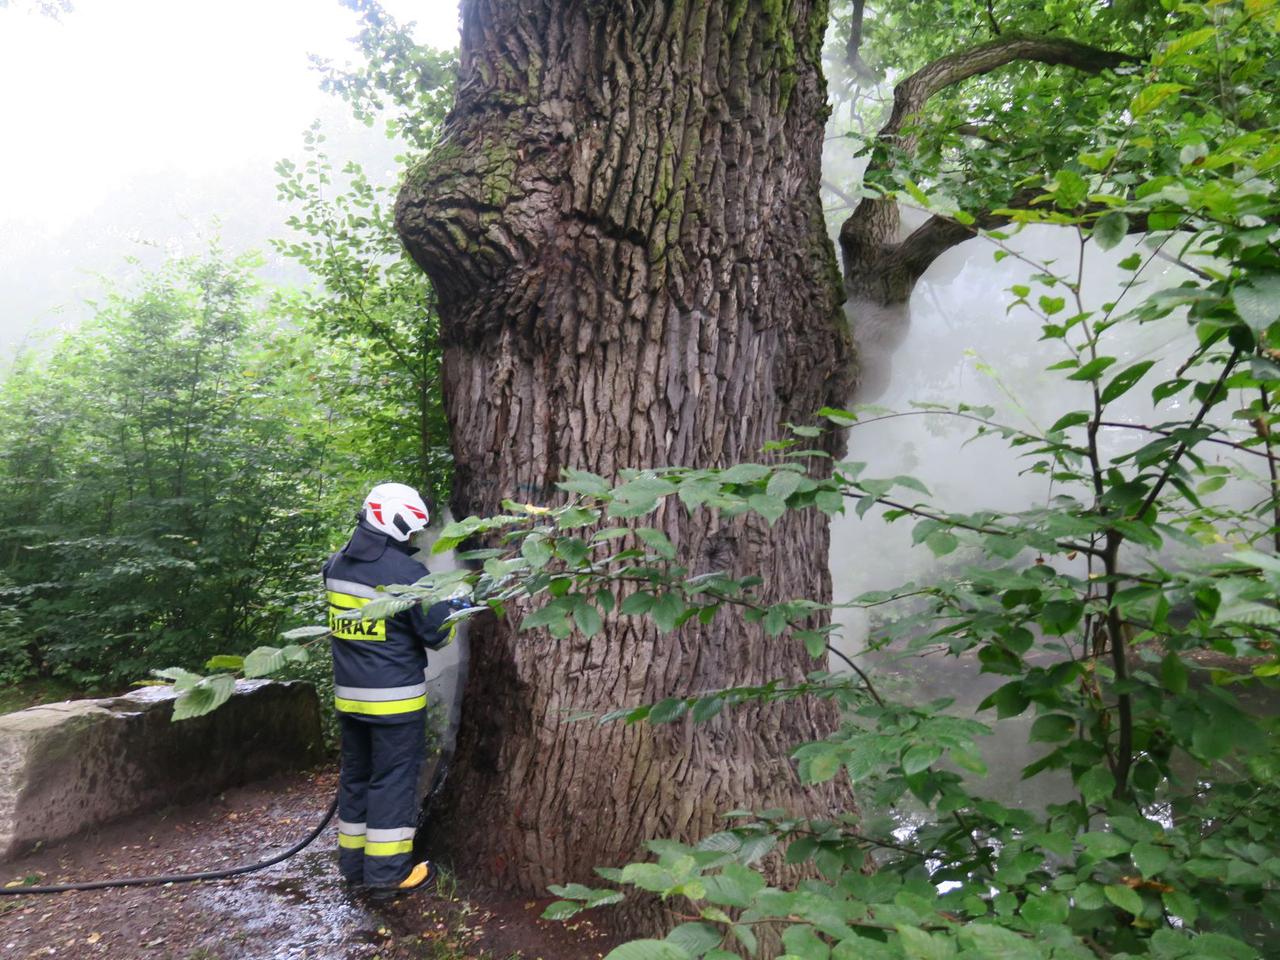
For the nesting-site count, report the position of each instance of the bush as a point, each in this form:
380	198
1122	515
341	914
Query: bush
158	484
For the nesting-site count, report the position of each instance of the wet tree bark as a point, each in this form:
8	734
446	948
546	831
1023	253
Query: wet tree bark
623	226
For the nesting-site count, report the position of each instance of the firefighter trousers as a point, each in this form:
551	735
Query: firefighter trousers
378	798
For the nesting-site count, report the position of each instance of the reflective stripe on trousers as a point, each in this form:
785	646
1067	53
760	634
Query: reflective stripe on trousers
389	842
351	836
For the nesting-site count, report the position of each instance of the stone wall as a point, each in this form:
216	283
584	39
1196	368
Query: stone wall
66	767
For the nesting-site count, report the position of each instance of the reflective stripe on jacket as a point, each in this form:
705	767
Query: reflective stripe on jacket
379	665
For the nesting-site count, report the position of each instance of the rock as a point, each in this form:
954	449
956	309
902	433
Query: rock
66	767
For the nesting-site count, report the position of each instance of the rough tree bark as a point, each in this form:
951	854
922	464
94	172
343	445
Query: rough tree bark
623	226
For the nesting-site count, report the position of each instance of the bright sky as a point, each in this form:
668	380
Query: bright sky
188	95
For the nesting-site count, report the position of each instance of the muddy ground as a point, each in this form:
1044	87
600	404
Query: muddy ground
295	910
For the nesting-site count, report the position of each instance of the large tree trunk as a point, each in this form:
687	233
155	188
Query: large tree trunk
623	226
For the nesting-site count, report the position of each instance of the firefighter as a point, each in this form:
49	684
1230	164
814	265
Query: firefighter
380	693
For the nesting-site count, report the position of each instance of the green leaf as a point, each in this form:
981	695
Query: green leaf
536	550
1124	898
583	481
1258	303
648	876
223	661
815	642
822	767
657	541
637	603
664	711
803	944
695	939
262	661
304	633
734	886
1059	617
921	945
915	192
771	508
706	708
1110	229
1181	904
1073	419
1096	784
1041	909
756	848
1092	370
968	760
666	611
783	483
1149	859
1124	380
1009	700
1052	305
1167	389
205	697
1151	97
552	613
997	943
181	679
941	543
1069	189
775	620
1052	728
587	617
1182	43
1214	737
561	910
1103	844
744	473
644	489
571	517
695	491
1174	675
647	950
920	757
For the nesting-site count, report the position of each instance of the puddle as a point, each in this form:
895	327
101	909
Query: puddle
299	909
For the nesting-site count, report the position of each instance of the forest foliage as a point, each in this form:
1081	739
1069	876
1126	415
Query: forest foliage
172	474
161	488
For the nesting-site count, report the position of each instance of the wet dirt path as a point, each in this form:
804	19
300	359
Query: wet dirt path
296	910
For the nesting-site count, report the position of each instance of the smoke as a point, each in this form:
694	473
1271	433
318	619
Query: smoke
138	129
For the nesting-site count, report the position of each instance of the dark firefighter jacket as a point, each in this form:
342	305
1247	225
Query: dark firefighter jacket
379	665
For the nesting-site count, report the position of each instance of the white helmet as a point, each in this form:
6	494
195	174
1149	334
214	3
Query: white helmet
396	510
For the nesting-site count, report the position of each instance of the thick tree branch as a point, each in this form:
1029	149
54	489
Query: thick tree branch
910	96
868	236
869	232
939	234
